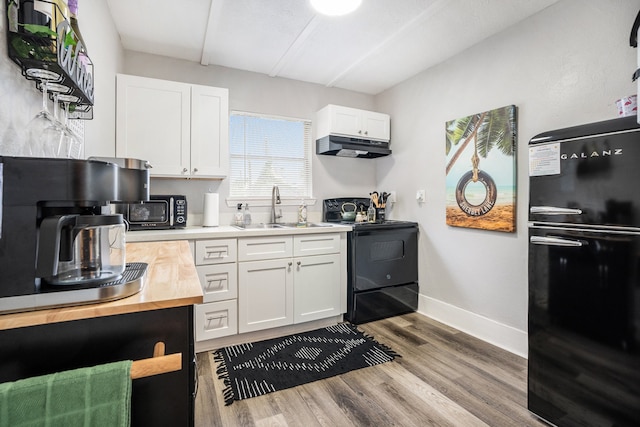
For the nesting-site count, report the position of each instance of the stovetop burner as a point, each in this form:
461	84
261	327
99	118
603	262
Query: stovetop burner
332	210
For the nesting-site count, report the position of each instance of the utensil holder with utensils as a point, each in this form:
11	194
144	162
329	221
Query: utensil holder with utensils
379	202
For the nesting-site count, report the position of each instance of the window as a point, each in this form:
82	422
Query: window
267	151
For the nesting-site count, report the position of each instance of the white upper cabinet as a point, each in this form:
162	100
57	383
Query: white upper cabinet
209	131
182	130
352	122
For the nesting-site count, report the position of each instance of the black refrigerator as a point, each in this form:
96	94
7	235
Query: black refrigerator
584	275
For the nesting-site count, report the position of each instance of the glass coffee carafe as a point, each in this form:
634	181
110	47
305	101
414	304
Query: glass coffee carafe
81	249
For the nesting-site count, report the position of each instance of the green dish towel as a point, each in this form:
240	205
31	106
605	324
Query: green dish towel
95	396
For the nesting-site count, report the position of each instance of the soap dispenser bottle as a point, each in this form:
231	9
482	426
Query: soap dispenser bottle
238	219
247	215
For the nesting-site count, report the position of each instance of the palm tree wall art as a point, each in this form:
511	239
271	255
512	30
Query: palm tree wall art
481	170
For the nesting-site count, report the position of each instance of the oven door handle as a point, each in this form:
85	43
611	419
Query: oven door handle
556	241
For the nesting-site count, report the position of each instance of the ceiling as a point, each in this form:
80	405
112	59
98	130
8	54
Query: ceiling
379	45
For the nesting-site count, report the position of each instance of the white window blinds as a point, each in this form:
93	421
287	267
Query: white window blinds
267	151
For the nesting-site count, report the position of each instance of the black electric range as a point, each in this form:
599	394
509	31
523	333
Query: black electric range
382	263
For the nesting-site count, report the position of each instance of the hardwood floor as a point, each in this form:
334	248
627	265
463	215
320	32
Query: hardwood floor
444	378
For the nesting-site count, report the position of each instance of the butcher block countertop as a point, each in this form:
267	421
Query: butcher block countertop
172	281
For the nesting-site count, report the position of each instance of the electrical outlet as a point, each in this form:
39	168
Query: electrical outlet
392	197
421	196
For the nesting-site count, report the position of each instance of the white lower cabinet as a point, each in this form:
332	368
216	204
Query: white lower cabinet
281	288
219	281
265	296
216	319
217	267
253	284
215	251
316	287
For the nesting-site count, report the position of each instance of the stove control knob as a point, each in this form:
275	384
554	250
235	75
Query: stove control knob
388	276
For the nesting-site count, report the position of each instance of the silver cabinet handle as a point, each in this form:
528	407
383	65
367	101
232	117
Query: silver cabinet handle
218	254
219	282
299	263
290	263
185	170
553	210
556	241
195	170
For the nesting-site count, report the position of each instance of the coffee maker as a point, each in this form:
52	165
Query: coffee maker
60	244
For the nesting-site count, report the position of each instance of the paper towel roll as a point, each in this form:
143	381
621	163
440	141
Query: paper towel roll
211	212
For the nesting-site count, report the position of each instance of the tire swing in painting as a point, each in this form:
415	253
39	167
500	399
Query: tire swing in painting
482	198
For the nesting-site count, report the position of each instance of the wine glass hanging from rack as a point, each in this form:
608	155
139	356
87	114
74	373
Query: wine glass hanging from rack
46	47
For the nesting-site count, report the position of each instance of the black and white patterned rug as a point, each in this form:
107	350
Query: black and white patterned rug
250	370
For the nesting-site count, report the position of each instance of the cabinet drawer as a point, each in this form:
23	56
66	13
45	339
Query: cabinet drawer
316	244
258	248
219	281
216	251
216	319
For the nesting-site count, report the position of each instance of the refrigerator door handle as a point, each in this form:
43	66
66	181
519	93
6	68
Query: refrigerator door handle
553	210
556	241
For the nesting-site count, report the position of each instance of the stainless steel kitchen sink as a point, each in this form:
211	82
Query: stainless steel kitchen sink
259	226
266	225
309	225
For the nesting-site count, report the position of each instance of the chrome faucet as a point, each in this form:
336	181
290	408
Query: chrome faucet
275	200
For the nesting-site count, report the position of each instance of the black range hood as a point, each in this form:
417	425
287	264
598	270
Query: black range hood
343	146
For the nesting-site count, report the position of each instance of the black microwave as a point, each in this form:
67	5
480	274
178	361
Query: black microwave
160	212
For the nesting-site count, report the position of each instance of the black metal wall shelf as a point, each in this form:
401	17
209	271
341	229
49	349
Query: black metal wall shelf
48	50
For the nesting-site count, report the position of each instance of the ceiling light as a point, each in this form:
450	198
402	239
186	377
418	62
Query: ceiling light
335	7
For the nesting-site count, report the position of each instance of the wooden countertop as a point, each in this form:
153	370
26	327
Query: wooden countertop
172	281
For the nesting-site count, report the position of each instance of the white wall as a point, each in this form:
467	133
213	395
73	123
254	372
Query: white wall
20	99
107	54
565	66
258	93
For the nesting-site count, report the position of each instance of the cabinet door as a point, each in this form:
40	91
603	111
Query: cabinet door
316	287
376	125
209	131
345	121
353	122
219	281
265	294
153	123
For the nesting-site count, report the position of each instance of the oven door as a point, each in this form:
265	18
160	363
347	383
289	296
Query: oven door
383	257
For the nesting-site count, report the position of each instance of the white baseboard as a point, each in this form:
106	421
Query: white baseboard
504	336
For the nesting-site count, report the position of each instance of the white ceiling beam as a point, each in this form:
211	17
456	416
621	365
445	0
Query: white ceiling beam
296	46
215	11
420	19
